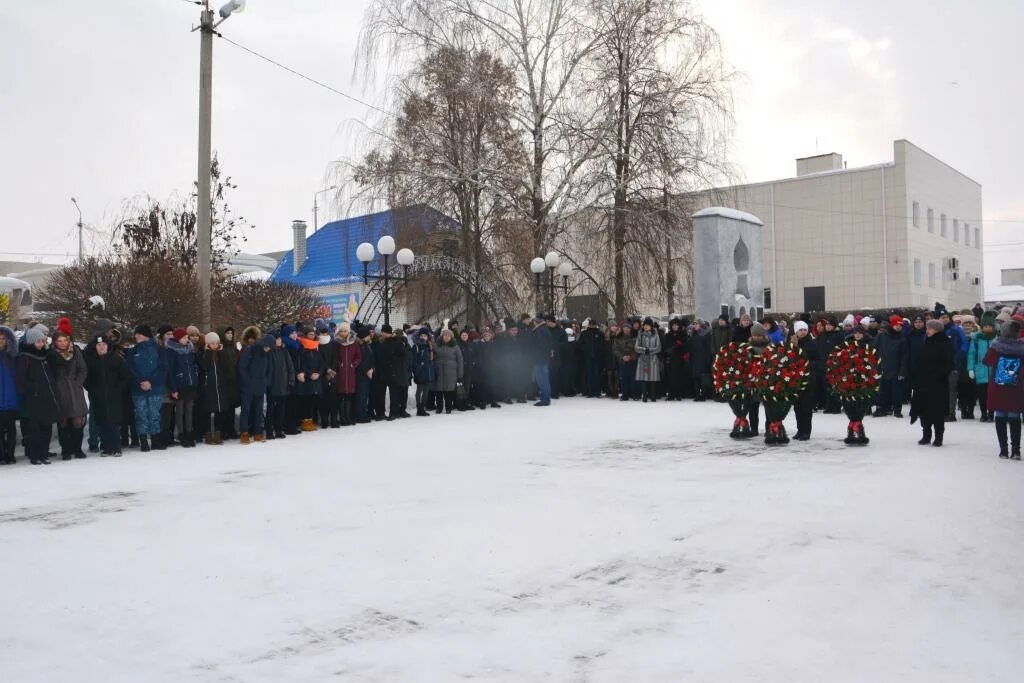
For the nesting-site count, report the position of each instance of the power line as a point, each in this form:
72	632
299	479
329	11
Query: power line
301	75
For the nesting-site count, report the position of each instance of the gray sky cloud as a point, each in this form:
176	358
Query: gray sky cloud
100	102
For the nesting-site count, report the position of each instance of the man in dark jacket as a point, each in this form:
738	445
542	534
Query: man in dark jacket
282	380
540	356
390	361
108	375
147	363
559	350
892	350
330	403
255	366
35	382
825	344
675	353
930	379
591	343
700	358
364	375
959	342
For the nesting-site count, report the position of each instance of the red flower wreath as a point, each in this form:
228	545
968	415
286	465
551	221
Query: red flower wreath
784	374
731	371
854	372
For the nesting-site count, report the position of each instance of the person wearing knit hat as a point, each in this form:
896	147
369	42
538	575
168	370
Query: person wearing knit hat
931	370
757	330
803	407
39	402
64	325
212	339
1003	317
893	351
977	371
800	326
184	386
143	330
194	336
1004	358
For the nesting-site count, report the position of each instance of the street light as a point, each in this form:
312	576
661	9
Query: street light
551	263
204	210
386	247
80	226
316	225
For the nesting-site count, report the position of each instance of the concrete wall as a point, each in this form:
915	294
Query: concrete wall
717	279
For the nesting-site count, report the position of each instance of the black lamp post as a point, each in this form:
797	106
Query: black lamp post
386	247
551	264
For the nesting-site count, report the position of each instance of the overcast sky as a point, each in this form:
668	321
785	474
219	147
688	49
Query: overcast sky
100	97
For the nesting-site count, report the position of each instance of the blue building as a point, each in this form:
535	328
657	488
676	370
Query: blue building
326	260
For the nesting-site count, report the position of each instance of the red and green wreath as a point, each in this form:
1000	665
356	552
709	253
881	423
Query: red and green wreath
784	374
854	371
731	371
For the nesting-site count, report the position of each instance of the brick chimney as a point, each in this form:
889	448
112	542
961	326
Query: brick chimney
298	246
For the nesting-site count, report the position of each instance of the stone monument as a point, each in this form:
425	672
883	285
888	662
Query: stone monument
727	273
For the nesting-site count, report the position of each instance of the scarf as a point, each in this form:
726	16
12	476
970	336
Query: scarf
309	344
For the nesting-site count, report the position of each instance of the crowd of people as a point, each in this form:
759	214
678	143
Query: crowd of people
155	388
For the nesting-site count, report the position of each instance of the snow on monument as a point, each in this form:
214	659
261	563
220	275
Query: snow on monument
727	263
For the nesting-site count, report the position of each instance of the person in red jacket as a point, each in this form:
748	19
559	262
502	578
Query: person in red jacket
349	358
1005	389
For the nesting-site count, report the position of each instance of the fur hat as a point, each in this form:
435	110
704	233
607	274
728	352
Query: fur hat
251	334
193	331
757	330
800	325
934	324
968	319
64	325
344	327
36	333
1010	330
363	333
1003	317
320	326
212	338
145	330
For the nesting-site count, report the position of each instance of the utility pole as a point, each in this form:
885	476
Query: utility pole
203	209
81	251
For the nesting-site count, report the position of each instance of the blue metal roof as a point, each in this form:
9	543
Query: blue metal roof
331	250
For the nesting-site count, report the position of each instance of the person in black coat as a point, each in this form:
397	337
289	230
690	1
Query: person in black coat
559	351
108	376
254	375
282	381
308	371
330	402
930	379
390	362
803	408
38	394
741	331
216	370
700	358
892	350
364	375
824	345
675	353
514	365
592	347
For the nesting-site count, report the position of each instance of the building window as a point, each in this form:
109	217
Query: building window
931	221
944	276
977	238
917	215
942	225
969	282
917	272
767	297
931	275
956	230
967	234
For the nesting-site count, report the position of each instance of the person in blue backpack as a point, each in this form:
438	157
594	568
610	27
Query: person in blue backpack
1005	388
9	401
184	384
147	363
976	369
424	370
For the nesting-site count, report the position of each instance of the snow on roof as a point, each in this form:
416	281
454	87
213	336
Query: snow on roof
729	213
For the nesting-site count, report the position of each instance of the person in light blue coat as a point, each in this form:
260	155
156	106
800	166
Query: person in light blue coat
976	368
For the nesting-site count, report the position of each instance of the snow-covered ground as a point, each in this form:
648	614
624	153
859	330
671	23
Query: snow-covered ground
590	541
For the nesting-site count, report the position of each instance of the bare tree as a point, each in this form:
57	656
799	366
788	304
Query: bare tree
264	303
659	68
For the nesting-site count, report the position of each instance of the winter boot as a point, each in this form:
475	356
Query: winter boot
259	438
244	439
1001	435
738	425
940	431
308	425
279	434
926	434
144	443
209	439
218	439
1015	439
159	442
62	439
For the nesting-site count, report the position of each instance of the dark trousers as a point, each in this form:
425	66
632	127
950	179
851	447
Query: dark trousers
8	434
38	439
346	405
362	401
702	387
307	407
627	380
754	416
228	423
982	391
399	399
252	414
677	378
109	437
555	376
938	426
70	437
94	429
378	399
291	413
967	395
890	394
329	408
593	377
276	406
446	401
804	411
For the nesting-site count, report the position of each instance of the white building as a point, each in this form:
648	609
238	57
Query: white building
901	233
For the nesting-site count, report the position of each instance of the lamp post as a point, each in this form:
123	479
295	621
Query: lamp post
316	224
386	247
80	226
204	210
551	263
